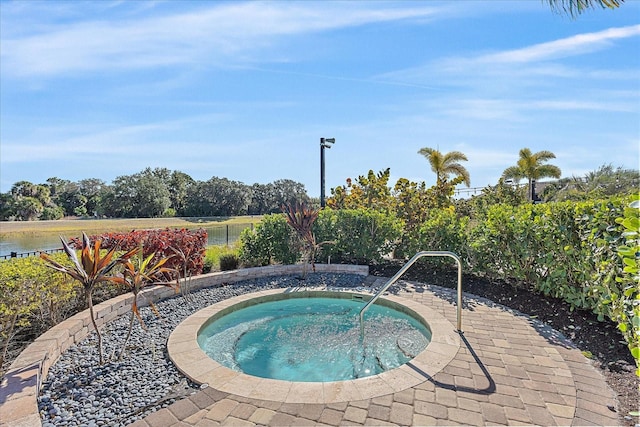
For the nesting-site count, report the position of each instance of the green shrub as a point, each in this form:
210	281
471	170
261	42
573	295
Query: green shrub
360	236
356	236
549	246
625	307
443	230
207	265
500	245
586	253
31	295
229	262
213	255
267	243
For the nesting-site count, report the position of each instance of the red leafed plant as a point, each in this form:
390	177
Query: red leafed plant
300	217
164	243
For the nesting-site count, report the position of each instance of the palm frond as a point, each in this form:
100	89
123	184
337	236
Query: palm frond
544	155
576	7
459	170
548	171
513	172
454	156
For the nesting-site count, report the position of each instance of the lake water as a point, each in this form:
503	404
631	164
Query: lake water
218	235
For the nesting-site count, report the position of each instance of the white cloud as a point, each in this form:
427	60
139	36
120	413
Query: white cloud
483	109
214	35
528	62
569	46
583	105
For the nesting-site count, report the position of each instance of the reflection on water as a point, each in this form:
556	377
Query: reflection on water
29	243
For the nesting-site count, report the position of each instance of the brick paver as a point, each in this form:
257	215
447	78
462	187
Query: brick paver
355	415
262	416
510	370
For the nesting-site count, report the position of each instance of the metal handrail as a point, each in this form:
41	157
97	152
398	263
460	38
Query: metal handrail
405	268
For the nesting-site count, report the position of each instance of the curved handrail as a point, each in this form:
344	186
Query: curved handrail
405	268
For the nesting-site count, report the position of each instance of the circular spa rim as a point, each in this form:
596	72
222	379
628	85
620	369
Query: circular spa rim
194	363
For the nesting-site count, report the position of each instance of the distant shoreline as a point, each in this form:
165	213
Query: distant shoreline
74	226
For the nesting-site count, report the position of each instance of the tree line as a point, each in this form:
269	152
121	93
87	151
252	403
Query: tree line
150	193
160	192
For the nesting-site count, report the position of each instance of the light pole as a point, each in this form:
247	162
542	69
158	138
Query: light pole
324	143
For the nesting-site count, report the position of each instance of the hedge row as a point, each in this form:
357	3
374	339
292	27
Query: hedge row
345	236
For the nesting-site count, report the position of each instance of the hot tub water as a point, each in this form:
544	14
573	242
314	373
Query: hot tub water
313	339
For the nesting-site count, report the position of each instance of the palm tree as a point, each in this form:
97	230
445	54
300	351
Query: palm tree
446	164
576	7
530	166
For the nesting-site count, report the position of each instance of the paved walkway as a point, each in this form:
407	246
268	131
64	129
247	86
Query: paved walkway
510	370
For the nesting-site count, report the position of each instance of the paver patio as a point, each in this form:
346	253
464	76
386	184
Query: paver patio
510	370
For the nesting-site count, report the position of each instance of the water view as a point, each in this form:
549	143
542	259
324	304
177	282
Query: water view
30	242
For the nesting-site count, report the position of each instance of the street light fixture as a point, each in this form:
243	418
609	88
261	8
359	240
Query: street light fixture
324	143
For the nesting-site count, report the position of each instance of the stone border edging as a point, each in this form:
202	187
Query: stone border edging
20	386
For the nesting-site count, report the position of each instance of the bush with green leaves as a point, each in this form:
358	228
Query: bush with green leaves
356	235
442	230
502	244
229	262
585	253
625	309
31	296
554	247
611	243
214	253
538	245
267	243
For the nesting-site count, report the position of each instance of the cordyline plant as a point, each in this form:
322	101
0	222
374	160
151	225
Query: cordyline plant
139	273
301	219
188	257
92	268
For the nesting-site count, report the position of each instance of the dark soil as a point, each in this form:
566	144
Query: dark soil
601	340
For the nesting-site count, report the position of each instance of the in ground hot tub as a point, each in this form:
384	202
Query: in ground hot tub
405	344
316	339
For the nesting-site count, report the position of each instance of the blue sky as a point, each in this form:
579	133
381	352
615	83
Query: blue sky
245	90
